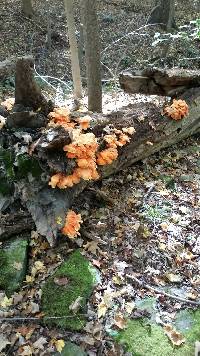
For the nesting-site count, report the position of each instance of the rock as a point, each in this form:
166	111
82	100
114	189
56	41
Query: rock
144	337
71	349
13	263
72	285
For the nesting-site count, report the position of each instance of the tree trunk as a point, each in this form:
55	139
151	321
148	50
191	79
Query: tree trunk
92	55
73	48
27	8
163	14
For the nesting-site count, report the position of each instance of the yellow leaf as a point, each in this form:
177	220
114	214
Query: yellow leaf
6	302
102	309
59	220
164	226
29	279
59	344
174	278
117	280
129	306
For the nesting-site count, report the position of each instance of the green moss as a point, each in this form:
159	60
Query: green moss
57	299
13	262
6	186
142	338
7	160
71	349
27	164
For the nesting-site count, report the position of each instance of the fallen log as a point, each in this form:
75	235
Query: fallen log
14	224
156	81
48	206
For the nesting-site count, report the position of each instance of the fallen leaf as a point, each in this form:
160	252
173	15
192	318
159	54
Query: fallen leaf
33	308
164	226
119	321
117	280
88	340
6	302
26	350
39	344
175	337
75	306
102	309
61	281
3	342
17	266
129	306
30	279
92	247
25	331
96	263
174	278
59	345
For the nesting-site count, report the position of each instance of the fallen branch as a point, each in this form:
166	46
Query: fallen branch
27	319
158	291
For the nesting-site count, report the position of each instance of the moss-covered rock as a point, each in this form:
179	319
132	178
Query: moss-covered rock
13	263
56	299
71	349
144	337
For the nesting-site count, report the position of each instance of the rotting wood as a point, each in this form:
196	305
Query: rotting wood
153	132
14	224
155	81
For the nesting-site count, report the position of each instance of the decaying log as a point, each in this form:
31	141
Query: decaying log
14	224
154	81
153	131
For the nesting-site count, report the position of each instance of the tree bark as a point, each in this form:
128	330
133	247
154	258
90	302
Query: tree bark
92	55
154	81
76	75
27	8
14	224
163	13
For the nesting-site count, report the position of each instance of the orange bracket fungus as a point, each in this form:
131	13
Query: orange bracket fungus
84	148
72	224
178	110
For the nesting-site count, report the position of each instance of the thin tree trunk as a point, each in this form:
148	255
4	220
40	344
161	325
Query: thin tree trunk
73	48
92	53
27	8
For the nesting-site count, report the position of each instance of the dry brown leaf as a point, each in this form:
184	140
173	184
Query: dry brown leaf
120	322
92	247
61	281
175	337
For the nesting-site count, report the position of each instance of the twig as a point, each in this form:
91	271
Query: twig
59	80
24	319
129	34
148	193
156	290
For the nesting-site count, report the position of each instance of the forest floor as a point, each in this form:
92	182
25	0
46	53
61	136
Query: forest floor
142	223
